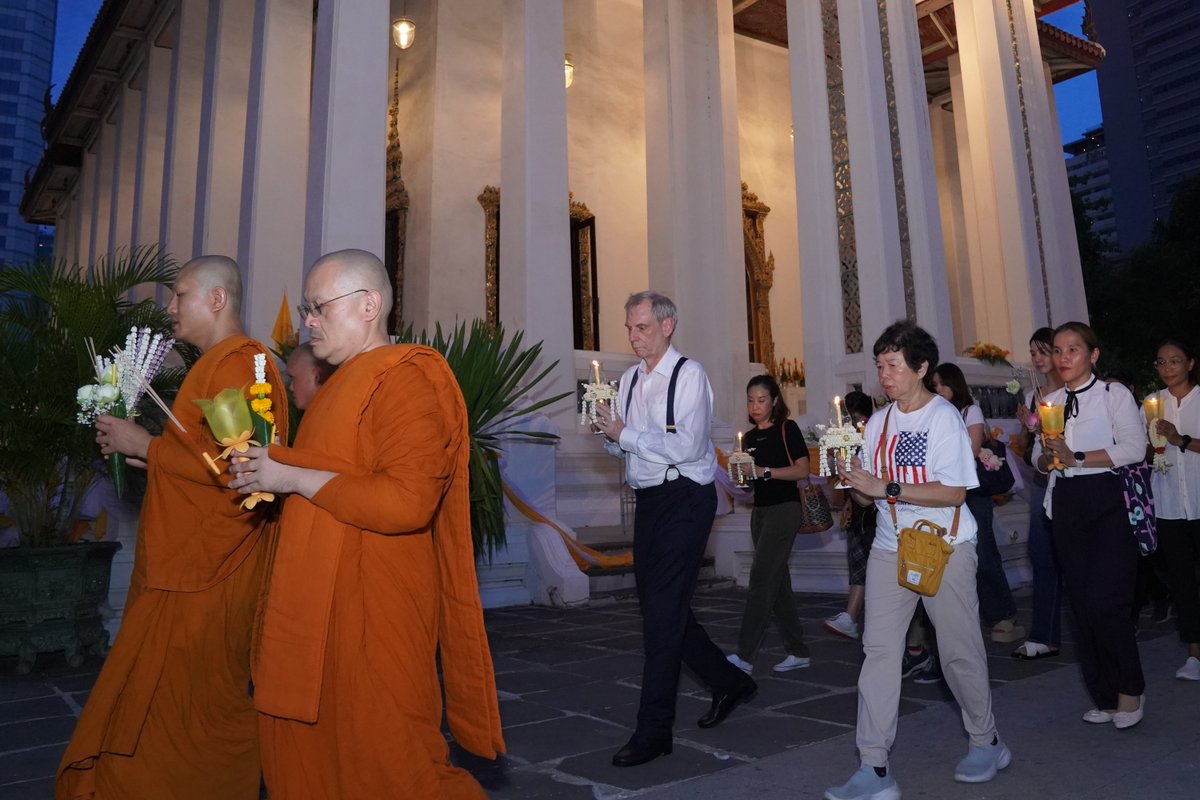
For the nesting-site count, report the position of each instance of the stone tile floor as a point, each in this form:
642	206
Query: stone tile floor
568	682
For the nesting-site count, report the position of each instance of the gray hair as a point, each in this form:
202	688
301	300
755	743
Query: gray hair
661	306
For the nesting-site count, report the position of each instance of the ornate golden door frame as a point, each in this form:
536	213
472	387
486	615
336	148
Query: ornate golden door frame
585	300
760	275
395	221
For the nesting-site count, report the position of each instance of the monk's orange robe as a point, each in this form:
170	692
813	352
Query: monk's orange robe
170	715
372	580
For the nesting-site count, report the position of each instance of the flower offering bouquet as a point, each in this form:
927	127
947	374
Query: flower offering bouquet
122	378
597	391
741	464
238	421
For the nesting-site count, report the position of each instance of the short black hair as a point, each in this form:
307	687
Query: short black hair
859	403
779	407
914	343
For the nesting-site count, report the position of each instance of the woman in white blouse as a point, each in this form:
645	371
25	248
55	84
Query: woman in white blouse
1096	548
1177	491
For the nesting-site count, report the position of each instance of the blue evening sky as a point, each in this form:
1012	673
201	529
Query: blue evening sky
1078	101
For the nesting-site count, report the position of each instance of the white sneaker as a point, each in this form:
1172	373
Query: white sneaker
865	785
792	662
744	666
1190	671
842	624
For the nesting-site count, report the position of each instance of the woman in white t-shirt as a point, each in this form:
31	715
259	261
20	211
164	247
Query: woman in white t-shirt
917	464
1177	491
1096	547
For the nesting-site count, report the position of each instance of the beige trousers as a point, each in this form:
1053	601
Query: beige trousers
954	611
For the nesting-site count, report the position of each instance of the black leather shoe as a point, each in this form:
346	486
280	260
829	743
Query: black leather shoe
639	751
725	702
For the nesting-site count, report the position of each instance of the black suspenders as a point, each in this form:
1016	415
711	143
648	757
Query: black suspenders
670	406
670	394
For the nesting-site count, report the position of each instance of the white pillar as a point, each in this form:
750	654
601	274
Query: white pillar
125	148
821	291
876	222
693	184
1060	247
87	204
177	221
925	234
535	268
223	126
348	144
1006	266
105	151
273	193
147	204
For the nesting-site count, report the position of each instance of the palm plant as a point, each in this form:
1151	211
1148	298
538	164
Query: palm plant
47	310
493	378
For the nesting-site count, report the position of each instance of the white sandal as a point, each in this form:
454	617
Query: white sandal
1032	651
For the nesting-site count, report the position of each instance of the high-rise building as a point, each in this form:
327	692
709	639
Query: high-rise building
1150	95
26	51
1087	172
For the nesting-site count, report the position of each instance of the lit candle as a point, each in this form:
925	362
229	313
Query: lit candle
1153	409
739	441
596	371
837	407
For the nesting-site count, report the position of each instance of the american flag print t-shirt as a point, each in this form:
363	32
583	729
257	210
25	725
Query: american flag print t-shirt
927	445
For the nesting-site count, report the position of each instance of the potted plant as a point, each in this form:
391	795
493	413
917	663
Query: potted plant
52	582
493	376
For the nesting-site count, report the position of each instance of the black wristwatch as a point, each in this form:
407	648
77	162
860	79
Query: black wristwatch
1079	457
766	473
892	491
1184	442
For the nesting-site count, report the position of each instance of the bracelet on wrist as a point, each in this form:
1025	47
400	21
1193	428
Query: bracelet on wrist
1185	442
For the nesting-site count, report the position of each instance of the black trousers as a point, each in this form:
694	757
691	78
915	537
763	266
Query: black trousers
1098	555
670	531
1179	546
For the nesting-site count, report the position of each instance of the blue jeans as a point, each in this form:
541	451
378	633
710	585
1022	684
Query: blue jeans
1046	627
995	596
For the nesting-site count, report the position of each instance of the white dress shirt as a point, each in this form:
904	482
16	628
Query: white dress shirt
1108	420
1177	491
649	450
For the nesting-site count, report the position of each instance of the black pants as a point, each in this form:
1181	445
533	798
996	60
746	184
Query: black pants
1098	555
670	531
1179	546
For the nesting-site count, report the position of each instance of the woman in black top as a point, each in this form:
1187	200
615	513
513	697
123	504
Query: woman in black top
773	523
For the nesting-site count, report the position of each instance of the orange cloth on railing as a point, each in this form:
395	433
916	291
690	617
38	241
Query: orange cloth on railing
584	556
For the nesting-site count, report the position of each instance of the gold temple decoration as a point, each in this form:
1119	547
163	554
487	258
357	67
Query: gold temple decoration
585	294
760	276
396	214
489	198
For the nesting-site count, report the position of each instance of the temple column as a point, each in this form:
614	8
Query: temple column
1007	266
348	137
273	193
223	127
1056	227
105	149
86	200
821	295
927	257
146	211
881	284
535	269
187	36
693	187
124	169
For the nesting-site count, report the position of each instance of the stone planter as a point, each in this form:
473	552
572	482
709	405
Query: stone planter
50	598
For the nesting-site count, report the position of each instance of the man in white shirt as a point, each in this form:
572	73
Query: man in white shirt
666	405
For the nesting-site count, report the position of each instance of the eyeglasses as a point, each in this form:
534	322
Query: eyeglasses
315	308
1175	361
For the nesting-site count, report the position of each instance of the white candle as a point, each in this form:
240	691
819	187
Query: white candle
837	406
596	371
739	441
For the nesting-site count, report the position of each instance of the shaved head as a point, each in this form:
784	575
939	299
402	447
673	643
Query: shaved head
217	272
358	269
348	296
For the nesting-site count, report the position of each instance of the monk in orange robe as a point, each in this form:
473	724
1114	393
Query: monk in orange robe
170	717
374	576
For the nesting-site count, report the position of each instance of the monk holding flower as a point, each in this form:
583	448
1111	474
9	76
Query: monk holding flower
374	579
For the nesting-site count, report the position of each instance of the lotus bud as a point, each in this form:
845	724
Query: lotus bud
227	414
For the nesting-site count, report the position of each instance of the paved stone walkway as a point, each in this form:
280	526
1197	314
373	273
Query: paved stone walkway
568	682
